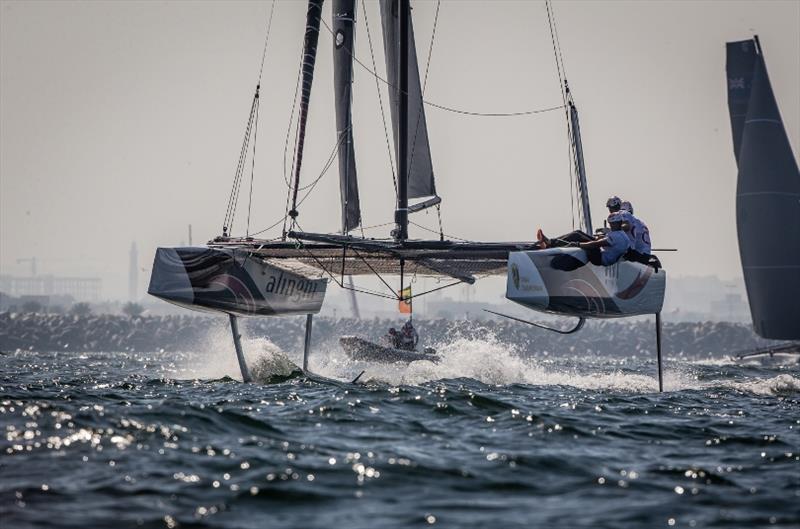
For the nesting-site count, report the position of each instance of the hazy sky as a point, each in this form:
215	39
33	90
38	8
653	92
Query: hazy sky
122	121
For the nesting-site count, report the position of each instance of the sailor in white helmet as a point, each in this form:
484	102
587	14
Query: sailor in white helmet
638	232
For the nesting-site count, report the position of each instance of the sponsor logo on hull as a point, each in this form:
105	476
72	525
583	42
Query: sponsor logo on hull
557	281
231	281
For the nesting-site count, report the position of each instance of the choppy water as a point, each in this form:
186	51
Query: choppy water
485	439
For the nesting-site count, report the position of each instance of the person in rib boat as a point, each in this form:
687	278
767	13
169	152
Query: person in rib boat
408	337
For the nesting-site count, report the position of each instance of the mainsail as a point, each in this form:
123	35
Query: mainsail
420	167
767	195
343	36
310	40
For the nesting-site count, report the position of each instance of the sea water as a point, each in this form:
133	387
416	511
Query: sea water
489	437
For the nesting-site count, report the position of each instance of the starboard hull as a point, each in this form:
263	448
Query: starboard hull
544	280
232	281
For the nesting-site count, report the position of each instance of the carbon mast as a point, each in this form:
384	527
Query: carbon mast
401	212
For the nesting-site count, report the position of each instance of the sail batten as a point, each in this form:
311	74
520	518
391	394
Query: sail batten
767	191
420	167
343	39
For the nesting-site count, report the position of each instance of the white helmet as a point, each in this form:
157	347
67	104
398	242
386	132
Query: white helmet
627	206
613	202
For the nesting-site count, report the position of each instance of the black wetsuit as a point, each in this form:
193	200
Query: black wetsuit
573	236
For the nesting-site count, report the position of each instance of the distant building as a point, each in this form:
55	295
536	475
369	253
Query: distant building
79	288
133	274
732	307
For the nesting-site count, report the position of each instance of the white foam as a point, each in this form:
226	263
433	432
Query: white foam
714	362
489	361
780	385
217	359
485	359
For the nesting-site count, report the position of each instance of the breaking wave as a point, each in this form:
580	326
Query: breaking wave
781	385
490	361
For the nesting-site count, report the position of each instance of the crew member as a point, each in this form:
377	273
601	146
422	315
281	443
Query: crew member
408	337
392	338
639	232
613	204
607	250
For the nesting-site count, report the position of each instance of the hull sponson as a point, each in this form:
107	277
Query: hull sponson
231	281
543	280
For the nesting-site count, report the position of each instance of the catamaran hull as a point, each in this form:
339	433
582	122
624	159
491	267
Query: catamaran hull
543	280
232	281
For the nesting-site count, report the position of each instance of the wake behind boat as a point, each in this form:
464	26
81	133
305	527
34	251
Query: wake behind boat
361	349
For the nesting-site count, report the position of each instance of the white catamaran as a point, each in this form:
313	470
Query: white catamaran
289	275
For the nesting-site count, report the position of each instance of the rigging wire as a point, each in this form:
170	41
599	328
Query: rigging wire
286	143
310	186
419	116
233	199
436	232
452	109
269	227
562	88
266	41
252	126
253	165
558	43
375	226
572	132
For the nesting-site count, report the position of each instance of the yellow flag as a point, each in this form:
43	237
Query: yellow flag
405	301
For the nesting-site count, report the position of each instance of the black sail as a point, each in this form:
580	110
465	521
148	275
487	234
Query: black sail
420	167
310	40
343	37
767	195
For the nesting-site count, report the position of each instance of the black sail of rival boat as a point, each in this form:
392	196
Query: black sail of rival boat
767	195
420	167
343	38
